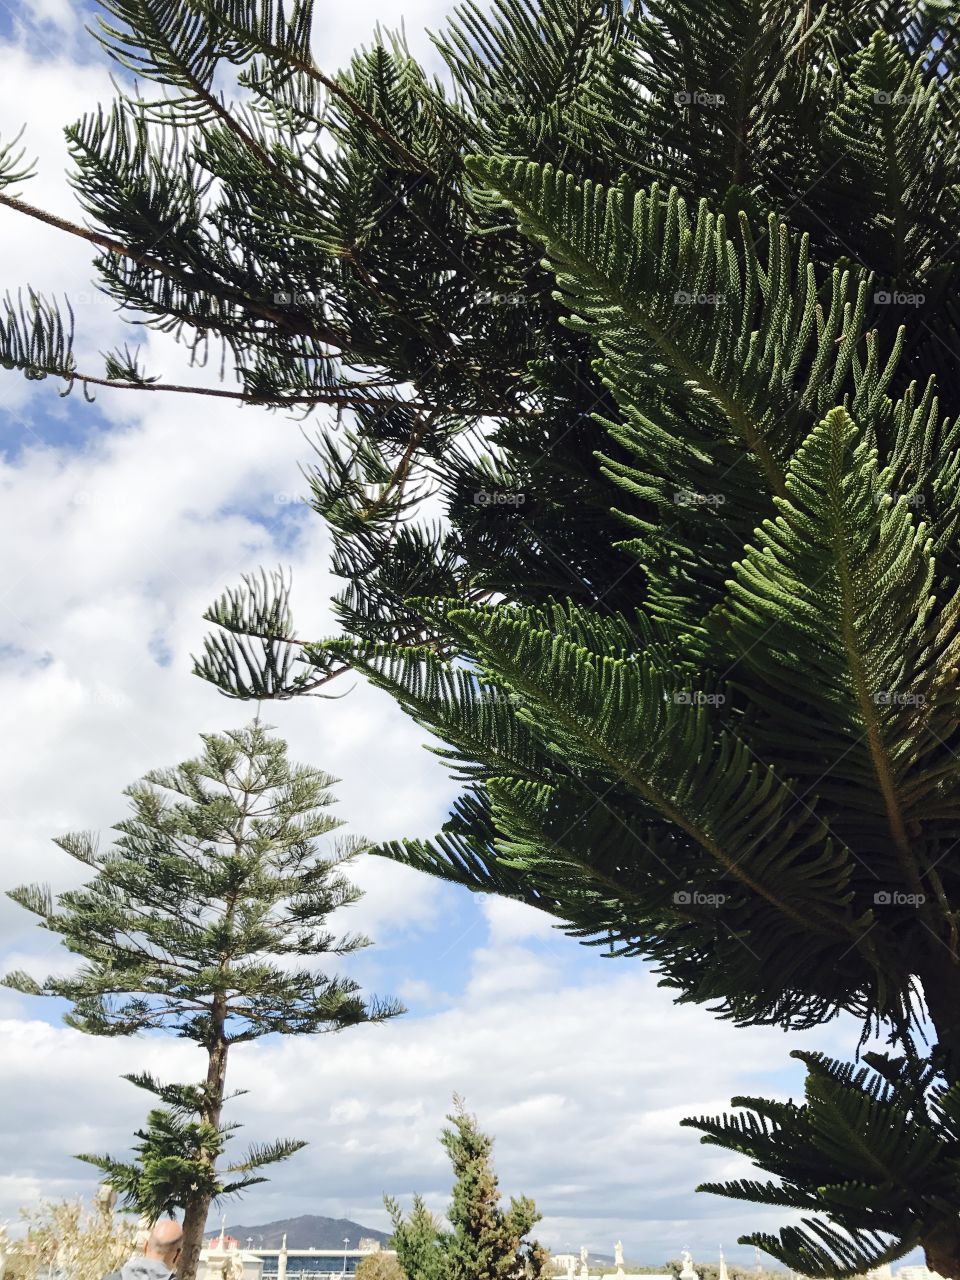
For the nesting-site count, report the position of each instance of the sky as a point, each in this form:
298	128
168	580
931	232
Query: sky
120	522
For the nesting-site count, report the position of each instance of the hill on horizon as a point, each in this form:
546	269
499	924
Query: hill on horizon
309	1230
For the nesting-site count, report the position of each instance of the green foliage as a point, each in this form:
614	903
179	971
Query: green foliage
178	1154
486	1242
874	1147
419	1241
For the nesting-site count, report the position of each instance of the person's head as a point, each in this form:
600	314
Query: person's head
165	1242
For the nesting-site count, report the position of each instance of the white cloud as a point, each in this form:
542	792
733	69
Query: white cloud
511	921
583	1086
340	29
95	590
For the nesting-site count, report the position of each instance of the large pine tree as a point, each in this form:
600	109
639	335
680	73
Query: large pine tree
659	300
205	918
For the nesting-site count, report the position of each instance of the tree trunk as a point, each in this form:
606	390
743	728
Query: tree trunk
194	1224
195	1215
941	1246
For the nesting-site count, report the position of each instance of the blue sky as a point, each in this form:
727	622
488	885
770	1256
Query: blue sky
122	520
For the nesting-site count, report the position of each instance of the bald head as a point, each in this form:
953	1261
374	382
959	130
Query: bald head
164	1242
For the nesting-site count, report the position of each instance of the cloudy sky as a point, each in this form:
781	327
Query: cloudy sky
120	522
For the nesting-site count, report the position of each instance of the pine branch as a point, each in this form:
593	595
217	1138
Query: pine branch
344	400
267	1153
230	14
180	276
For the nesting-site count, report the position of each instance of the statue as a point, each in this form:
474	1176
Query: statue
571	1267
687	1272
584	1269
105	1198
618	1257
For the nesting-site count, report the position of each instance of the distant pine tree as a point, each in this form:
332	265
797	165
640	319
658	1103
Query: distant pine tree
486	1242
204	919
419	1241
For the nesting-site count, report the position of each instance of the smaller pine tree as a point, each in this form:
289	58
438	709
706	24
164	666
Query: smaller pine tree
486	1242
206	919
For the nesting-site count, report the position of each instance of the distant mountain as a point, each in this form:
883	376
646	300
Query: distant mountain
305	1232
